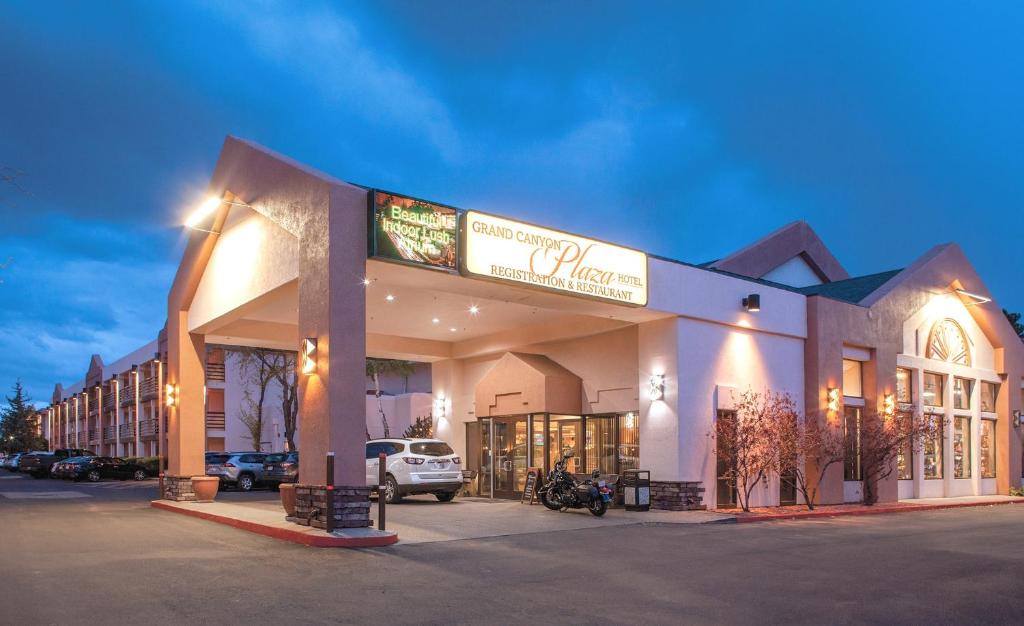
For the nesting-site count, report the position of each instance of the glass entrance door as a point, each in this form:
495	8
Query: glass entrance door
510	449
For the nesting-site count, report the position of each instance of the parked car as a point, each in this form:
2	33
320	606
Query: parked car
11	462
62	468
281	467
243	470
96	468
38	464
414	466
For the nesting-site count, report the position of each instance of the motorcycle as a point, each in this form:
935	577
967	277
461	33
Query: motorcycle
563	491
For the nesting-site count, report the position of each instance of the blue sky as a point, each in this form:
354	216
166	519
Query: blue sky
685	129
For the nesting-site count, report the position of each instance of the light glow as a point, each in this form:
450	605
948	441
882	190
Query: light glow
435	321
203	211
389	298
833	399
656	386
889	405
366	281
170	395
473	310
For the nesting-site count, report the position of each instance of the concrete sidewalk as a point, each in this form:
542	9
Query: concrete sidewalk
903	506
422	519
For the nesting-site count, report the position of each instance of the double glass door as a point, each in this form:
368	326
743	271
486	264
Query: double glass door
510	448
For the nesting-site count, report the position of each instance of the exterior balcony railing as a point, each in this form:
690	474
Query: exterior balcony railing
94	437
127	431
215	420
127	395
109	434
149	388
215	371
149	428
109	400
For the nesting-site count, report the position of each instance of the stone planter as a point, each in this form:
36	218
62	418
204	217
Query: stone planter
288	498
205	487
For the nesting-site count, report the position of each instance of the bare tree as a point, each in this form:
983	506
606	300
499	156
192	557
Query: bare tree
286	375
806	449
375	368
745	441
884	437
256	365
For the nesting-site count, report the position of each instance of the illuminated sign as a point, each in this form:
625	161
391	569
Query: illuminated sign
502	249
413	231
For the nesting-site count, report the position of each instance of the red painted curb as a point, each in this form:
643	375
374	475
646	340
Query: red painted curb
746	519
316	541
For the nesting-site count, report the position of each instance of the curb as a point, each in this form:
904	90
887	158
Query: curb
306	539
872	511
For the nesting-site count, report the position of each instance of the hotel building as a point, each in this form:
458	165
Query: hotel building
539	341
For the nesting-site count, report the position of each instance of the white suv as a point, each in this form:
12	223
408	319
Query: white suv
414	466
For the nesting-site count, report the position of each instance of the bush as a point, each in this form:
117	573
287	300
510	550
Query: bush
422	428
150	463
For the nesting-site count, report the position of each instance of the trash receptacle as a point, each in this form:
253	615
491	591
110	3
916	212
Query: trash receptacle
636	490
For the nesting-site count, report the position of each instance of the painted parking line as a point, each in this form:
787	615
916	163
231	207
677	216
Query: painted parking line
43	495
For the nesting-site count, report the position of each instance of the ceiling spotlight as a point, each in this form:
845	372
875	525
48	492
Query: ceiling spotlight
973	297
202	211
389	298
752	303
435	320
452	329
366	281
474	309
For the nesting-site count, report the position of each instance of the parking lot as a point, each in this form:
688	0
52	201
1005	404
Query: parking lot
108	555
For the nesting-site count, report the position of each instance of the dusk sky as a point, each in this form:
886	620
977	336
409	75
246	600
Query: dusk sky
684	129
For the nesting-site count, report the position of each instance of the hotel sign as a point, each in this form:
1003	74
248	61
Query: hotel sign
413	231
506	250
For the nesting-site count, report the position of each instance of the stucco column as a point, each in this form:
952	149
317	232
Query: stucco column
186	426
332	309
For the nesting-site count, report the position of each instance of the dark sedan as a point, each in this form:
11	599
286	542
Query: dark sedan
96	468
281	467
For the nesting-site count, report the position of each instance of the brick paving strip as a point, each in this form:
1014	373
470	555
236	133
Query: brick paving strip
768	514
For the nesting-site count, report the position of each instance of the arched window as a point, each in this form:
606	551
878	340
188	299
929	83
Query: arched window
948	342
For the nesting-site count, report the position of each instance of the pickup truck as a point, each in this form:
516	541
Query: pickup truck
38	463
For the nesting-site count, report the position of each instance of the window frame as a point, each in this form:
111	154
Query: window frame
858	469
981	396
910	385
860	379
966	390
941	392
993	445
940	438
965	446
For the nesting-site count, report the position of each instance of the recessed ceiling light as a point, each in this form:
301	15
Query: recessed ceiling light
366	281
452	329
389	298
474	309
435	320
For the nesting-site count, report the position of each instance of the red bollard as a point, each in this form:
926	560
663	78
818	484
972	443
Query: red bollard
381	480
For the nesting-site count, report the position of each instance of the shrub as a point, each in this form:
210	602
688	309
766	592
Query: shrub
423	428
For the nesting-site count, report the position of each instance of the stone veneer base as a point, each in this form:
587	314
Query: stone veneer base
671	495
177	488
351	506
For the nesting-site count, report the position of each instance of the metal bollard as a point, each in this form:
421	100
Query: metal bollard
381	480
329	492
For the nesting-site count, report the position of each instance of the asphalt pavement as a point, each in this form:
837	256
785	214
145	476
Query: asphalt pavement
91	554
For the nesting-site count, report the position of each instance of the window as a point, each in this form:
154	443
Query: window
374	449
987	448
905	457
538	440
962	393
428	448
725	463
904	392
599	445
962	447
933	389
851	431
853	379
629	441
989	391
933	451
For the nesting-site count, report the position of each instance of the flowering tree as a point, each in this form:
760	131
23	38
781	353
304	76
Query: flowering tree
746	441
883	437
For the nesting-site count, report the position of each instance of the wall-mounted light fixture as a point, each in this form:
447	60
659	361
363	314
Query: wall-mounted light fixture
656	386
833	399
1018	418
171	394
889	405
973	297
307	355
752	303
630	420
442	406
206	209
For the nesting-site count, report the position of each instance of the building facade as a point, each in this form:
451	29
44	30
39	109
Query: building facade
541	342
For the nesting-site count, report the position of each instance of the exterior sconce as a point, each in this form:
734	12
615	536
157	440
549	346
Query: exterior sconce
752	303
630	420
833	399
889	405
441	406
1018	418
656	387
308	355
171	395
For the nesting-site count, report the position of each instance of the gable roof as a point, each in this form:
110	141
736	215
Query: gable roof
851	290
771	251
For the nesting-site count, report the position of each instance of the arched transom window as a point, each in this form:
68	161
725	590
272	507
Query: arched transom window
948	342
